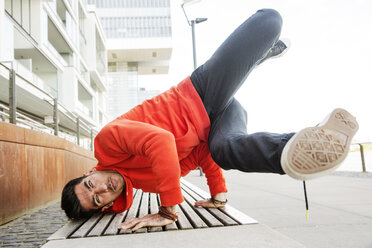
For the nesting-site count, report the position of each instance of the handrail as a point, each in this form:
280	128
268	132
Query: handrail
49	95
27	121
35	124
26	80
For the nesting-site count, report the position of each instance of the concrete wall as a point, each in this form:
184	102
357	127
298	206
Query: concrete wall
34	167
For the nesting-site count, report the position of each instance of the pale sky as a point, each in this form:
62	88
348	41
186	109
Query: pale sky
329	64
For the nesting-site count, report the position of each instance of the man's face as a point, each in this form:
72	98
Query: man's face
99	189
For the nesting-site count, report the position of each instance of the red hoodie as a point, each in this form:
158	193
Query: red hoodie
156	143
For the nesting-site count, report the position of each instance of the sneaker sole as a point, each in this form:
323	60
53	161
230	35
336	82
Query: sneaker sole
287	42
319	150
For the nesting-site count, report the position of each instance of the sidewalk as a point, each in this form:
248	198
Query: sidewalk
340	214
32	230
340	206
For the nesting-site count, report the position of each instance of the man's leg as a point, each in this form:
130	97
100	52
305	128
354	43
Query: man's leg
310	153
218	80
221	76
232	148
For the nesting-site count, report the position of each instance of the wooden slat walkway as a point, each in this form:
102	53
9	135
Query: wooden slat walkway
102	224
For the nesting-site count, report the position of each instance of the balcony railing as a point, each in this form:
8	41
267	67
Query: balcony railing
34	79
58	108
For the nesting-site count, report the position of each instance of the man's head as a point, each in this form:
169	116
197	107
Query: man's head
96	191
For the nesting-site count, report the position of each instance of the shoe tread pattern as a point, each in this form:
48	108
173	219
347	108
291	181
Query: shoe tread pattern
319	149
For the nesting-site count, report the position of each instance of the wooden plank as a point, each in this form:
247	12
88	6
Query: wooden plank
209	219
87	226
67	229
112	229
182	221
200	192
238	216
171	227
229	210
225	219
193	217
101	225
143	211
132	212
154	209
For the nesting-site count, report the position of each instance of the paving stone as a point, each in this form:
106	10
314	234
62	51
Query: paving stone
33	229
7	237
12	245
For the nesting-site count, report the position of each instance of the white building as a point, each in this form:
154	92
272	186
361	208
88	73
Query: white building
58	50
139	34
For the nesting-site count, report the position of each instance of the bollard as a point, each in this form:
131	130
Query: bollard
362	157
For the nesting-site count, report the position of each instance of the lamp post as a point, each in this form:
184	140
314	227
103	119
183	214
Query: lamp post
192	24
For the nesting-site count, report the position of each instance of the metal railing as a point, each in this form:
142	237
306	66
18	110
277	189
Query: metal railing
10	113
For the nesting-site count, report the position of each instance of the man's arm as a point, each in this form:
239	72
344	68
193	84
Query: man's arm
201	157
123	138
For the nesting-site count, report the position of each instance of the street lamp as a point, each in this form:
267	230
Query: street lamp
192	25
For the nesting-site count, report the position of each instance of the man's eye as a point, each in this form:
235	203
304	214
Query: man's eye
90	184
97	199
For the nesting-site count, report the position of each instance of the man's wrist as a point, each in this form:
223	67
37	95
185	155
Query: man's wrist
220	196
165	213
171	209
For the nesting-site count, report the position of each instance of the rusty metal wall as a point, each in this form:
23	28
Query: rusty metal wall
34	167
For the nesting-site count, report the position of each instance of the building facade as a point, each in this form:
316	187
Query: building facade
57	49
139	36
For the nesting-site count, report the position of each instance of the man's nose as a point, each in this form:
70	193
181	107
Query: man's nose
101	188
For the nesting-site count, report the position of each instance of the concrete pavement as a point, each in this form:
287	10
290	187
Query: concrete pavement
340	206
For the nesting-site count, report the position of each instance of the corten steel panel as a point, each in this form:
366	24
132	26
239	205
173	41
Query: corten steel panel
78	150
34	168
13	181
76	165
45	168
42	139
12	133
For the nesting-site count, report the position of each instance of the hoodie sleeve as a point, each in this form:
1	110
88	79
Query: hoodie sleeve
123	138
201	157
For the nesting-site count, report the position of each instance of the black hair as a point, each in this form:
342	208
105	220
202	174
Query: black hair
70	202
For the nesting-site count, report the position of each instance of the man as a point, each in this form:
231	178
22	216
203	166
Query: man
199	123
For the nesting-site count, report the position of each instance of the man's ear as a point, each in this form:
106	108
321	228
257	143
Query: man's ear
89	172
107	206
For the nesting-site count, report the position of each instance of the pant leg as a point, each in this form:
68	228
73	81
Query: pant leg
232	148
220	77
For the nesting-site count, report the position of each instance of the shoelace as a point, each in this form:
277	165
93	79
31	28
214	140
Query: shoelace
306	202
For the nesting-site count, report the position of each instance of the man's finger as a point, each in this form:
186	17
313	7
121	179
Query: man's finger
128	224
138	226
205	204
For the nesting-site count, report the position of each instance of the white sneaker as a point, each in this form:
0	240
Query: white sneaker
319	150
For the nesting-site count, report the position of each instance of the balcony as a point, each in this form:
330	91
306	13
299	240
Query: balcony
58	46
64	18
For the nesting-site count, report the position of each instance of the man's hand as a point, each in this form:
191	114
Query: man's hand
148	220
210	204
